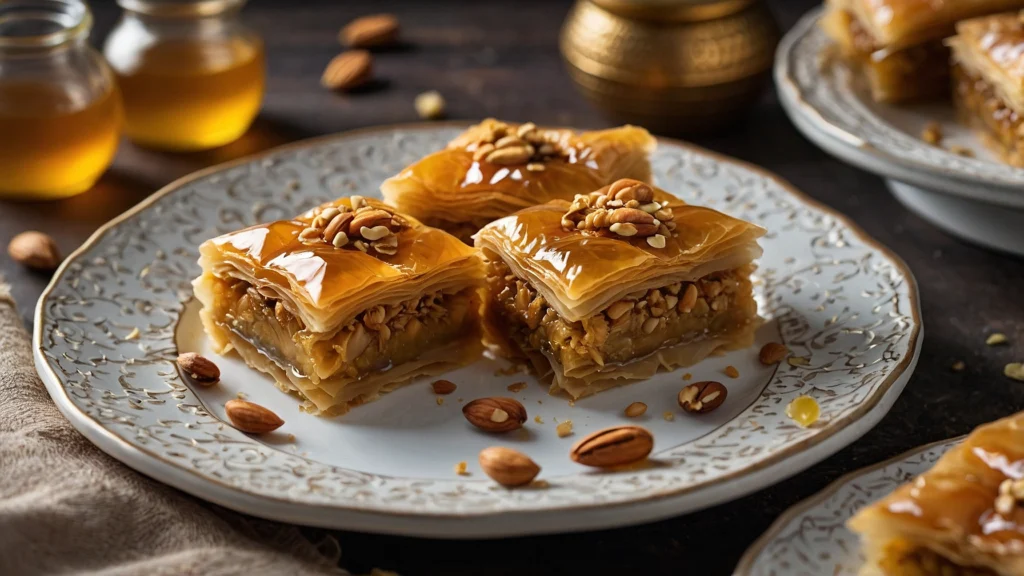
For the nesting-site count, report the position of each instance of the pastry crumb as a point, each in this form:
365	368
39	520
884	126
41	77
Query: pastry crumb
996	339
732	372
513	369
932	133
961	151
668	416
687	376
564	428
133	334
241	395
539	484
1014	370
460	469
798	361
538	420
958	366
430	105
439	401
572	403
516	387
291	437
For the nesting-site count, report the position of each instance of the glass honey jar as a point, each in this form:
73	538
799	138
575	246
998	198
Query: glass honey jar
60	110
192	75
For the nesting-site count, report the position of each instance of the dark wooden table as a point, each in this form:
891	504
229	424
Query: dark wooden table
501	59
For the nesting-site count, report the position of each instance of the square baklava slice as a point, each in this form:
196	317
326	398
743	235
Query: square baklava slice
963	517
344	302
898	44
988	86
617	285
496	168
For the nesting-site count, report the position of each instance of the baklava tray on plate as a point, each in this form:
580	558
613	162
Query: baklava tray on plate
976	196
121	309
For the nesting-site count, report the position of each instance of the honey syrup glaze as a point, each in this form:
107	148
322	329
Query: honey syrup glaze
960	491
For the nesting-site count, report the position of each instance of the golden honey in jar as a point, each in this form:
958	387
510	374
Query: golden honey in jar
192	76
60	110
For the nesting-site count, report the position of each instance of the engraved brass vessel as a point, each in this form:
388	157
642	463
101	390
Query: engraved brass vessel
672	66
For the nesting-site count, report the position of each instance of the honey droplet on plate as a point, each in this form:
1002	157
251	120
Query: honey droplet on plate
803	410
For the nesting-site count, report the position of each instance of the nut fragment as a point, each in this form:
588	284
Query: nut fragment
460	469
252	418
996	339
495	414
958	366
732	372
200	369
348	70
443	386
516	387
1014	370
34	250
702	397
932	133
564	428
370	31
635	409
508	467
613	447
772	353
429	105
623	208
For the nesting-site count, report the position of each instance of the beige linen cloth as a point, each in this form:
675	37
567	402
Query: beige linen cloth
68	508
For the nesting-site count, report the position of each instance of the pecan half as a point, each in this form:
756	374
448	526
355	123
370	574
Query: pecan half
613	447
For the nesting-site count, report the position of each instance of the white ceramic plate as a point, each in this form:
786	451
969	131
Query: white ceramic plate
811	538
980	198
119	311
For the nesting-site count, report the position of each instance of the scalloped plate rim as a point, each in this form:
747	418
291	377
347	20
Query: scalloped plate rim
477	525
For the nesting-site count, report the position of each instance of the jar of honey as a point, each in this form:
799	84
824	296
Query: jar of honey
192	75
60	111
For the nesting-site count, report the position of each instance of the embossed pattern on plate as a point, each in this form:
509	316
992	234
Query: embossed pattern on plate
811	538
105	346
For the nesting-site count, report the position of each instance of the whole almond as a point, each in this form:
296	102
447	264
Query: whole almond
348	70
373	30
497	414
702	397
199	368
34	250
443	386
772	353
252	418
635	409
508	467
613	447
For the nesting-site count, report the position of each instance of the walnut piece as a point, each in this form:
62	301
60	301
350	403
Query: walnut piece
507	144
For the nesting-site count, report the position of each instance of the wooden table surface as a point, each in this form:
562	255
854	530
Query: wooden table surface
501	59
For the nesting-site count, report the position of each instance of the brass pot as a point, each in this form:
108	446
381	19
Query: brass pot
672	66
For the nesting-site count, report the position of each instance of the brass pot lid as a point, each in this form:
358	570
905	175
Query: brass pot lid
673	10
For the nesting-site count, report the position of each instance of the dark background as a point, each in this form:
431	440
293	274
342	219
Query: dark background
500	58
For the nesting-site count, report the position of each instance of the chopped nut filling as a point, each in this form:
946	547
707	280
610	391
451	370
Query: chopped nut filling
623	209
379	337
506	145
905	559
634	327
979	105
363	227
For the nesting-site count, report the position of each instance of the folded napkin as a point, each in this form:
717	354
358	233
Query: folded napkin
66	507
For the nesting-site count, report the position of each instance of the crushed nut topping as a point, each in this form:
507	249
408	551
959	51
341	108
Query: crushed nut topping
625	208
1011	493
508	145
460	469
363	227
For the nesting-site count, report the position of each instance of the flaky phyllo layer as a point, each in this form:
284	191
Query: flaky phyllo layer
964	517
596	307
333	319
496	168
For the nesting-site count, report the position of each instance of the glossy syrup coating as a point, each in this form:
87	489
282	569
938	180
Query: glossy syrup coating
323	274
954	502
574	264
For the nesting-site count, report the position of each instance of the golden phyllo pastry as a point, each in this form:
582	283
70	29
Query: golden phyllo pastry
496	168
618	284
343	303
898	44
988	87
964	517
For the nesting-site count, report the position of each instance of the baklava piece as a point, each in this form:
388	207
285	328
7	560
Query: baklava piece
344	302
964	517
496	168
617	285
988	81
898	44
